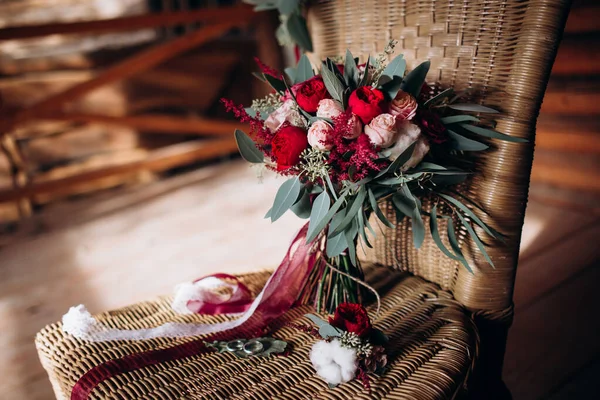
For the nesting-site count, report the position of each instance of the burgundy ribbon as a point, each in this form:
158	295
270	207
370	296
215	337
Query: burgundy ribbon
239	302
277	297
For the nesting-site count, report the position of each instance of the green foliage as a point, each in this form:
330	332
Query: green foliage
247	148
285	198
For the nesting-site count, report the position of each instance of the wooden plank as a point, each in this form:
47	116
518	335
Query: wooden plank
158	160
571	102
560	169
583	384
583	19
160	123
554	337
207	15
137	63
577	55
568	134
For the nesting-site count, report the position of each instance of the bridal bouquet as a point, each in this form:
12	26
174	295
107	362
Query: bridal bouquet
352	136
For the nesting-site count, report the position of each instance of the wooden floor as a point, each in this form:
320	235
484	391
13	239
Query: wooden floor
133	245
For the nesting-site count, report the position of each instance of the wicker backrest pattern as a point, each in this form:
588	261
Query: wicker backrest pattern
502	50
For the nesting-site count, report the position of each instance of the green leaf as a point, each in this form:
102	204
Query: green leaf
268	214
315	228
476	239
414	80
275	83
304	70
350	70
330	185
360	219
333	84
439	97
247	148
259	76
398	162
303	206
492	134
418	227
396	67
287	7
489	230
458	118
455	246
472	108
319	322
365	77
291	73
336	243
435	234
378	211
459	142
327	331
392	87
299	32
357	205
319	212
286	197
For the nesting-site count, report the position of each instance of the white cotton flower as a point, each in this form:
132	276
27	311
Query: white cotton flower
333	362
409	133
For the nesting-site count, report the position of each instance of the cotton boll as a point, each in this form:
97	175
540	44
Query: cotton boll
421	149
320	353
345	358
331	374
408	133
333	362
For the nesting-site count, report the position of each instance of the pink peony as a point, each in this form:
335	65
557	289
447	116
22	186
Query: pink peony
403	107
287	112
382	130
355	127
318	134
329	108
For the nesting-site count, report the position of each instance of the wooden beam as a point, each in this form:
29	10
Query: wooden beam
583	19
571	102
568	135
223	14
159	160
565	172
577	56
137	63
161	123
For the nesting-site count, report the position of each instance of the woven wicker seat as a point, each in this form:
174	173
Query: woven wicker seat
502	50
430	335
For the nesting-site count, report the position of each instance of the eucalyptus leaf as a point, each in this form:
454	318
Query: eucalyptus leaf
319	211
458	118
260	76
333	84
296	26
275	83
396	67
320	224
492	134
350	70
489	230
303	206
304	70
357	205
392	87
287	7
476	239
455	246
327	331
286	197
291	73
418	227
247	148
378	211
462	143
268	214
360	219
472	108
439	97
414	80
398	162
365	78
319	322
336	245
435	234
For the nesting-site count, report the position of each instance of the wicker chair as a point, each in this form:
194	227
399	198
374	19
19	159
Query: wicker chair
441	319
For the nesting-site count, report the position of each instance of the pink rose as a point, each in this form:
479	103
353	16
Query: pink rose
329	109
287	112
409	133
318	133
382	130
354	127
403	107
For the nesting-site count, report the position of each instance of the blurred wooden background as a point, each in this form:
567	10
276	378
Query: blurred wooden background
102	201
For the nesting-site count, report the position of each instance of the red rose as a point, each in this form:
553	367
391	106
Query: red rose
353	318
367	103
309	93
431	126
287	145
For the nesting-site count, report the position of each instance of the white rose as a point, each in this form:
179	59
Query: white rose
318	133
334	363
329	109
287	112
382	130
354	127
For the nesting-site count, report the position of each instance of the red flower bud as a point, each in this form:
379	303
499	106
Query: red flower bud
287	145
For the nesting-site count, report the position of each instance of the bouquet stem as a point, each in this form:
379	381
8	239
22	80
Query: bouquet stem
326	288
